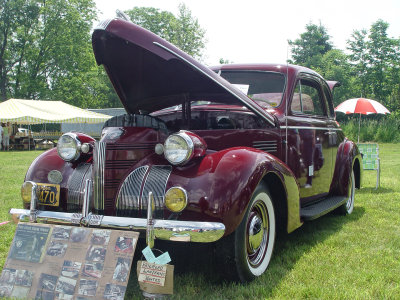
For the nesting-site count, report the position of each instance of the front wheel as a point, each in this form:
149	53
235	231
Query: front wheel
253	241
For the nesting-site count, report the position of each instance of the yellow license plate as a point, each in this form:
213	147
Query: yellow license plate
49	194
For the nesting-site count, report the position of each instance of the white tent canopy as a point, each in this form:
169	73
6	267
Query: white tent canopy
40	111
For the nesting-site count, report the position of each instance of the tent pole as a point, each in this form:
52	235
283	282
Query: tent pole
29	137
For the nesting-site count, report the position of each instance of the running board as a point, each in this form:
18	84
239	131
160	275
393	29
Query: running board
321	208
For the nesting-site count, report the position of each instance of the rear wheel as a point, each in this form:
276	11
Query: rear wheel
347	208
253	241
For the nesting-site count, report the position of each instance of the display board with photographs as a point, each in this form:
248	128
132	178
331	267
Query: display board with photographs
64	262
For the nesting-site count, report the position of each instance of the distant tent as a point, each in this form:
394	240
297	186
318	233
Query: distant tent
40	111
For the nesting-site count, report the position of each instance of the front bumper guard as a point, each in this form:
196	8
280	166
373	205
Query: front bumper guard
172	230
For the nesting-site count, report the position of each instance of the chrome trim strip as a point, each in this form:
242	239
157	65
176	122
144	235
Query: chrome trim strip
254	108
103	24
267	146
150	222
310	127
34	202
99	154
173	230
86	197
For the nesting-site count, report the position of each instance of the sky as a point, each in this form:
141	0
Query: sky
257	31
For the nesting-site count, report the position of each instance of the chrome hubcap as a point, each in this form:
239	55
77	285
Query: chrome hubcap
257	234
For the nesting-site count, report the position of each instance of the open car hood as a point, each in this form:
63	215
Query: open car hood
150	74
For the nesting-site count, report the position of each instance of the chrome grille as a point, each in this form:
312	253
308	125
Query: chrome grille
131	201
267	146
129	194
99	154
76	186
156	182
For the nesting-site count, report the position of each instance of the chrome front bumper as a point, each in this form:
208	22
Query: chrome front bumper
172	230
163	229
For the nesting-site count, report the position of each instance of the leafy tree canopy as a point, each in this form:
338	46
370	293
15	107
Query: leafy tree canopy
183	30
45	46
311	46
375	60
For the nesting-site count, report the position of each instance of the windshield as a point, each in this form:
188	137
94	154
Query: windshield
265	88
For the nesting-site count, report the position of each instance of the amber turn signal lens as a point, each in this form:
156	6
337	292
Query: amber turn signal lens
176	199
26	191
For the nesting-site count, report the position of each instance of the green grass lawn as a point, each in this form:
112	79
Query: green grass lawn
334	257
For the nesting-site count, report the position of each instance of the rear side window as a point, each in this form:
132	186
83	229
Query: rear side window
308	99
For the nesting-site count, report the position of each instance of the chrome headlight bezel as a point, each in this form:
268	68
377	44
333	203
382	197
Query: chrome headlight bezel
171	206
183	150
26	191
75	149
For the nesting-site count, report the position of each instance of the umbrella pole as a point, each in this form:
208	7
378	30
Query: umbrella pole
29	137
359	126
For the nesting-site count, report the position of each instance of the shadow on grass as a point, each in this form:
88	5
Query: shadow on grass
194	263
372	190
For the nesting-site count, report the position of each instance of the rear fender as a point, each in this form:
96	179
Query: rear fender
348	158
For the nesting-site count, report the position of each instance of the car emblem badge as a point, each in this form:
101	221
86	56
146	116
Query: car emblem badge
55	176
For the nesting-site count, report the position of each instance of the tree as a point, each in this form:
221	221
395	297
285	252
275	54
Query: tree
183	30
311	46
358	46
45	47
159	22
17	17
376	63
335	66
382	58
223	61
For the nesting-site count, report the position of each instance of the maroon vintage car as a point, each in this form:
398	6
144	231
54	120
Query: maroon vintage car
228	155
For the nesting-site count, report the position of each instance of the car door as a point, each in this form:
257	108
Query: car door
309	141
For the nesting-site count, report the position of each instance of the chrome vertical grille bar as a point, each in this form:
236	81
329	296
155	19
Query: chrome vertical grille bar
34	202
86	198
150	222
99	154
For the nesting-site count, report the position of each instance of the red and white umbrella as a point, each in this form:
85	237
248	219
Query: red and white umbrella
361	106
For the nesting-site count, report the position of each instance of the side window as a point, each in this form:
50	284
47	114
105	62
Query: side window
308	99
329	104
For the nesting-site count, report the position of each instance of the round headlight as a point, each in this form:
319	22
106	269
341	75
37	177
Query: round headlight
26	191
68	147
178	148
175	199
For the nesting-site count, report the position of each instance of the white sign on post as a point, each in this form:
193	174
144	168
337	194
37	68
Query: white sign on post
152	273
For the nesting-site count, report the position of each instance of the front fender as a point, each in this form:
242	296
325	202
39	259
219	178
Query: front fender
40	168
220	187
348	158
51	161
